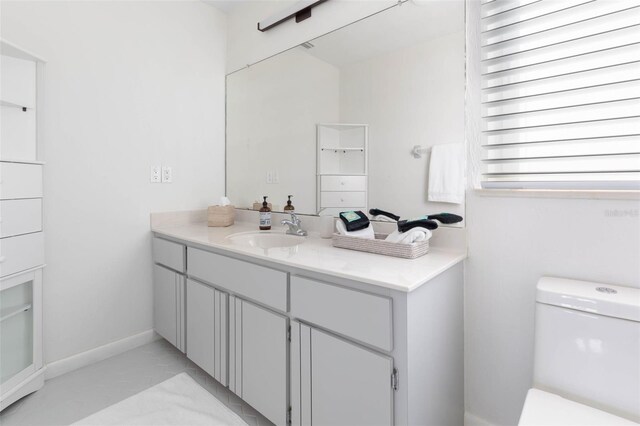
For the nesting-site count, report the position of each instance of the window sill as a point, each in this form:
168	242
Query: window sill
559	193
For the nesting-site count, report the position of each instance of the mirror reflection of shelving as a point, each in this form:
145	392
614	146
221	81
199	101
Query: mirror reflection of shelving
21	233
342	167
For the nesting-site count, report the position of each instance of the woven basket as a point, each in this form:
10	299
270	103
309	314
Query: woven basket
221	215
380	246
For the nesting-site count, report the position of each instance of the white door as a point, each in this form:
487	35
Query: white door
165	304
207	329
259	338
340	383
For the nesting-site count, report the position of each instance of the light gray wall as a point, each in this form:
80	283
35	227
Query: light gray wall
512	243
128	85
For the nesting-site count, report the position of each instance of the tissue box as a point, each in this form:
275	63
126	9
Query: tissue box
221	215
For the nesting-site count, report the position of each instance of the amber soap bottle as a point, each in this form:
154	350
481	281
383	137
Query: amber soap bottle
265	216
289	207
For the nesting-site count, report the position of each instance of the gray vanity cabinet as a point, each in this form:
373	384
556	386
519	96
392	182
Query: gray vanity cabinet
334	381
207	329
168	305
258	358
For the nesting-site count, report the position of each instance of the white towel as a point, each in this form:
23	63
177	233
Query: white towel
411	236
383	218
446	173
366	233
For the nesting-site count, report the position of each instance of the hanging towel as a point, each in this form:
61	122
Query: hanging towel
411	236
366	233
446	173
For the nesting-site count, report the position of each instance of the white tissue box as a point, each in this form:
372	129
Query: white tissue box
380	246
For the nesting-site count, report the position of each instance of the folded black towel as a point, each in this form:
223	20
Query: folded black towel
378	212
354	220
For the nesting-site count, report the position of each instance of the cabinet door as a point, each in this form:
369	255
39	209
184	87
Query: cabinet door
168	300
340	382
207	329
258	368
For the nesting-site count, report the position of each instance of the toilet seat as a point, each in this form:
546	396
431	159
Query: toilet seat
547	409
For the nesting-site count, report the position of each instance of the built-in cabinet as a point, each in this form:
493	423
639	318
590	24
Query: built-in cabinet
334	380
169	313
342	167
306	350
207	329
258	365
168	304
21	225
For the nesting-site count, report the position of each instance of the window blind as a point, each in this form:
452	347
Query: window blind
561	94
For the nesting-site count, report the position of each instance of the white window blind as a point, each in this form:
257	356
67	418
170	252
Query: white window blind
561	94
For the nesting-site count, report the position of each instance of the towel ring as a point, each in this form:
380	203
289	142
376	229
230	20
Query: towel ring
418	151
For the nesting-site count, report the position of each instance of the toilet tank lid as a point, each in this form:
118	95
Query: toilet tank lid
596	298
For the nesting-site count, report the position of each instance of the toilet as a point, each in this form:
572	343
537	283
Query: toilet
587	355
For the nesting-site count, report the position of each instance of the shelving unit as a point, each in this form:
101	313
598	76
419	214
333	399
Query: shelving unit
342	167
21	230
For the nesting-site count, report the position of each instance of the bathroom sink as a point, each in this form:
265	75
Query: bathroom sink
266	239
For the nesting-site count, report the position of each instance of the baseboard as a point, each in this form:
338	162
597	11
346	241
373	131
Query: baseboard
471	420
100	353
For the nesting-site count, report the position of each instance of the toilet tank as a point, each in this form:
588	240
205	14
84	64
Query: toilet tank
587	344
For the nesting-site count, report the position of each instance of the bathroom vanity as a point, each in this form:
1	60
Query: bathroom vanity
311	334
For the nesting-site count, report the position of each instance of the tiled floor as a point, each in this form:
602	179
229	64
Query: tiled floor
75	395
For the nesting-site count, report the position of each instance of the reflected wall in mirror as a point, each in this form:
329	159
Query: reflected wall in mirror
333	121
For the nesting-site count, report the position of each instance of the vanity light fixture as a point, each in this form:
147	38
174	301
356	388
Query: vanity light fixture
301	10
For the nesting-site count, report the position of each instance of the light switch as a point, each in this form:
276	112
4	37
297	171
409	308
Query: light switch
166	174
155	174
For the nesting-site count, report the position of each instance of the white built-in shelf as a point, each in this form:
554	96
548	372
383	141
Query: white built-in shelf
17	160
12	312
345	149
12	105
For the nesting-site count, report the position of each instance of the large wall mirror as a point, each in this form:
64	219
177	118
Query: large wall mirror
333	121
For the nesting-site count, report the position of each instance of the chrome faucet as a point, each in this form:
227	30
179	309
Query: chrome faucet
294	226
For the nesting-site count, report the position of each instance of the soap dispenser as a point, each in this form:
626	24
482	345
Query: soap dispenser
289	207
265	216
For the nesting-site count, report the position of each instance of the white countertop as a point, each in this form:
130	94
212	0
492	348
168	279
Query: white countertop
318	255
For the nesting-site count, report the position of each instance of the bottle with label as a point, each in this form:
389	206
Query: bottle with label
265	216
289	207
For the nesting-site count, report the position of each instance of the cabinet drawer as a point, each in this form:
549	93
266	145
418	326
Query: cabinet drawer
256	282
342	199
343	183
362	316
20	217
21	253
20	180
169	254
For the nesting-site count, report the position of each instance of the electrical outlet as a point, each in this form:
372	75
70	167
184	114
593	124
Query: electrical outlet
155	174
166	174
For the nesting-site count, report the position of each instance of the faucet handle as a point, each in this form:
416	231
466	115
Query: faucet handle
294	218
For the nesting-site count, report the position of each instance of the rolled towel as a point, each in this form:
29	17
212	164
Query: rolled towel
366	233
414	235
